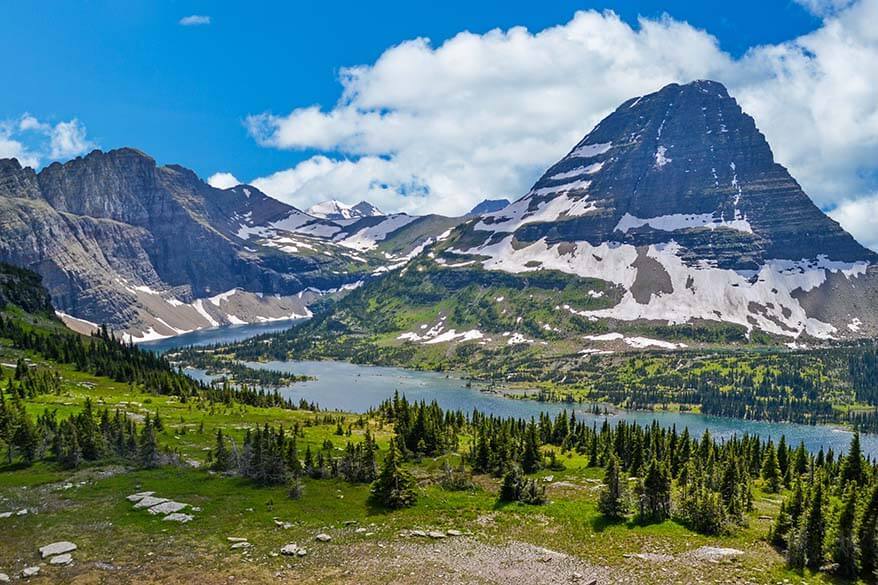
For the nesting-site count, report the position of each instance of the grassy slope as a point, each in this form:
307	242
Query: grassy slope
94	514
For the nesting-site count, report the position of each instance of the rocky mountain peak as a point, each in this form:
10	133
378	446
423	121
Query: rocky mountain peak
336	210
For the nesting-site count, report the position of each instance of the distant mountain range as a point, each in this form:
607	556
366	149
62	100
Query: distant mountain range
670	211
337	210
155	251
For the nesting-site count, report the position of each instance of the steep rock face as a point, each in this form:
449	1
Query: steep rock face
676	197
155	251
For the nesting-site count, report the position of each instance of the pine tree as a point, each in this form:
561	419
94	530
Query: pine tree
221	456
655	493
852	467
510	488
148	452
68	451
844	552
394	487
613	501
530	458
771	470
814	529
866	536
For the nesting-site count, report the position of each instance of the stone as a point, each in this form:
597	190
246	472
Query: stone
418	533
436	534
236	539
168	507
139	496
178	517
4	578
323	537
149	502
715	553
64	559
301	552
57	548
241	545
22	512
5	514
290	549
360	530
453	532
30	572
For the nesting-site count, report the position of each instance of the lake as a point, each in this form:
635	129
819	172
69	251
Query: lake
356	388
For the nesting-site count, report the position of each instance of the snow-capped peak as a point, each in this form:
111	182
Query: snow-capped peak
334	209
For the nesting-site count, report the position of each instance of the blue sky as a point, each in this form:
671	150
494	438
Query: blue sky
111	74
135	77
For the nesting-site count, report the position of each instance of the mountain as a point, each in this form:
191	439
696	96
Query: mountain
155	251
337	210
488	206
669	225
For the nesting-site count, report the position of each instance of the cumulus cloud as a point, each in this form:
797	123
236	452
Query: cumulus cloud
194	20
32	141
860	218
223	180
440	128
824	7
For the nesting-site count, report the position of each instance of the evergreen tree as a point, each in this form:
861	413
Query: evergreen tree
394	487
814	529
844	552
613	501
148	453
68	451
771	470
655	493
866	536
531	458
852	467
221	456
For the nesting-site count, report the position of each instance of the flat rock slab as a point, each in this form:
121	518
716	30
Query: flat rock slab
4	578
436	534
30	572
178	517
241	545
139	496
236	539
57	548
149	502
64	559
290	549
5	514
714	553
168	507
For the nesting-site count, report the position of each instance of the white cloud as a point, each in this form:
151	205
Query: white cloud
67	139
223	180
32	141
860	218
483	115
194	20
824	7
319	178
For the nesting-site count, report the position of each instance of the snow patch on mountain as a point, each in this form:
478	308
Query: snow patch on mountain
590	150
368	238
334	209
680	221
761	299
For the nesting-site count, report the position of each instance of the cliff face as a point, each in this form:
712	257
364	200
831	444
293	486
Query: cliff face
120	240
676	197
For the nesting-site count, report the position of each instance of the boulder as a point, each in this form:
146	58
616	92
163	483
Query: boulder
436	534
322	537
57	548
139	496
149	502
168	507
5	514
30	572
290	549
453	532
4	578
64	559
178	517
